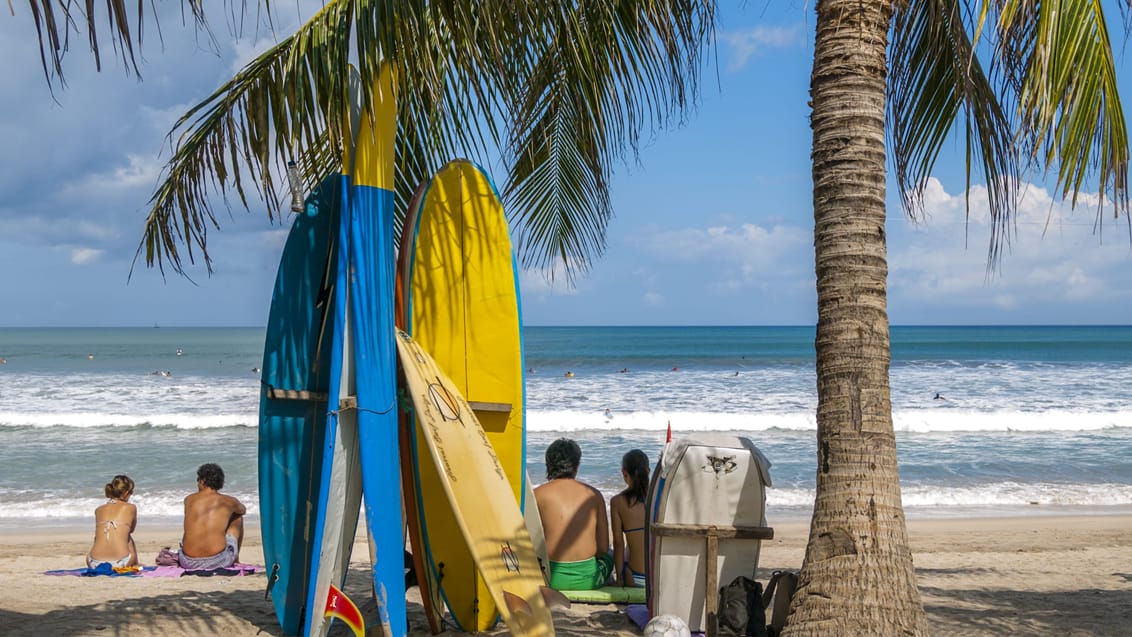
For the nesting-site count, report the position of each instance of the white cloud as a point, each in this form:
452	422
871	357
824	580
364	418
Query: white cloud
749	247
653	298
86	256
275	238
137	173
746	44
1052	255
545	282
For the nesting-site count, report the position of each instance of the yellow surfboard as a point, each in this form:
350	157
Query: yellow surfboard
461	304
482	500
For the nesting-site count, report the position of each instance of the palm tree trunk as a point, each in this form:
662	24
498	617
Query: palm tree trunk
857	578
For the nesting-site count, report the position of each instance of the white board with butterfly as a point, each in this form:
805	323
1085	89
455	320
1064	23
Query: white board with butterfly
716	481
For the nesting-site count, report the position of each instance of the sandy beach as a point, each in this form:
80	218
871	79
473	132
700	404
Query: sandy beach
1040	575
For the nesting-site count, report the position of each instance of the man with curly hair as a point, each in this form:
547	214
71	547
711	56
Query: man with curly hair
214	524
574	521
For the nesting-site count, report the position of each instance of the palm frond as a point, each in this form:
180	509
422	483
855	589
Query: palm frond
473	79
56	20
934	75
1071	116
600	76
293	96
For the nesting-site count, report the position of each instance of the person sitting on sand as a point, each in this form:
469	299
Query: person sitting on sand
574	522
627	515
114	524
214	524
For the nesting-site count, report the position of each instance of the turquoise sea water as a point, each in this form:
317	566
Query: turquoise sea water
1030	419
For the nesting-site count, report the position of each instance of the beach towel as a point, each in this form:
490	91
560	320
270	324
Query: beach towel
235	570
103	569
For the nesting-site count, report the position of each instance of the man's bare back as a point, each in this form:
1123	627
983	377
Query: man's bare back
573	520
209	517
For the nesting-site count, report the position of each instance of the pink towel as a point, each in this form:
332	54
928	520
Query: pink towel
176	571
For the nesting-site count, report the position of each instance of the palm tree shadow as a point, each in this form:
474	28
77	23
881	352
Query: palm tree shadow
1089	611
183	612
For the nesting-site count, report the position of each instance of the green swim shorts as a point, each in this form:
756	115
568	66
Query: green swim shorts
583	575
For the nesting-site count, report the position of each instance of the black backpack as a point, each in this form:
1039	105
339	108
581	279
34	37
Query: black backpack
741	611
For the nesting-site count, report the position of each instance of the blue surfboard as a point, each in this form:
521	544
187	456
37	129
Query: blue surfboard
293	400
370	273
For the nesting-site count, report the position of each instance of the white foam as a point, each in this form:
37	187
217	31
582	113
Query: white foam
152	505
99	419
908	421
1003	494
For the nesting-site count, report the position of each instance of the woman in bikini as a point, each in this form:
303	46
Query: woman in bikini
627	516
114	524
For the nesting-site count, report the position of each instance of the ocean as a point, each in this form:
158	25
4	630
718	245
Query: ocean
1028	420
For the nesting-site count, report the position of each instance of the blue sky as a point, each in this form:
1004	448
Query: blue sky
713	223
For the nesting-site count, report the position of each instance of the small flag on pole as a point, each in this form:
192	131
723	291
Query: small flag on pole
339	606
668	438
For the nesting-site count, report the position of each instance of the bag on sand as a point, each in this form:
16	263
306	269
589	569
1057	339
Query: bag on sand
166	557
741	611
781	588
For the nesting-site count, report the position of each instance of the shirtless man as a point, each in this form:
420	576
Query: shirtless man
214	524
574	522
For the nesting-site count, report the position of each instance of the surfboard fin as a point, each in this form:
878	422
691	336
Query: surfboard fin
554	599
517	605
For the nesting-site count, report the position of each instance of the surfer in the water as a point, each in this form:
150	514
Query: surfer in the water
574	522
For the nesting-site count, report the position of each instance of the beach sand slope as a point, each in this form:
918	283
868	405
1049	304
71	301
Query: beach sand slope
1017	576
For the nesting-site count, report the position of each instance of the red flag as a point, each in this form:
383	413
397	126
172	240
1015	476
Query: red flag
668	438
340	607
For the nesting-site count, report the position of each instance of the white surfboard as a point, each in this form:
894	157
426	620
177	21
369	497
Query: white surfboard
713	482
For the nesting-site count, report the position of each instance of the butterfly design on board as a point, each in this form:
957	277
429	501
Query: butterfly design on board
725	464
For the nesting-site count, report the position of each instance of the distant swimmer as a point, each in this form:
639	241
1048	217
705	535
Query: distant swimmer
3	361
675	369
166	373
569	374
624	370
90	357
608	414
255	370
180	351
939	396
530	370
736	373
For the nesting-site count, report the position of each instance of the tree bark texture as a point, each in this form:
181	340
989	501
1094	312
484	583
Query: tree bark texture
858	577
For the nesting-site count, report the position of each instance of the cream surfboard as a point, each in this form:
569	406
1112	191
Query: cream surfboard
713	485
461	304
481	497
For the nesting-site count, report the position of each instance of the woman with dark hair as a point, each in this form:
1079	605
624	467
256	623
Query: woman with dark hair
114	524
627	515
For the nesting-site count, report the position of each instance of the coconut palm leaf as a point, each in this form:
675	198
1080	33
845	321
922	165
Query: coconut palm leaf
1061	61
602	73
473	78
269	107
935	75
1049	101
56	21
